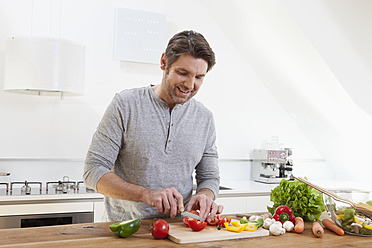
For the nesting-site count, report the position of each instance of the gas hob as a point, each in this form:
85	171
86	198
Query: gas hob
40	188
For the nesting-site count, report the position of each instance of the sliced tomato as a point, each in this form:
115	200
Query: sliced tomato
194	212
186	220
215	220
197	225
223	221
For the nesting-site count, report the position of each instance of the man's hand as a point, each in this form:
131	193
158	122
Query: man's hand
165	201
203	202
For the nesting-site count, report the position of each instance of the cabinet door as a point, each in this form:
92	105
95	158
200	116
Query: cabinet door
258	203
233	205
98	211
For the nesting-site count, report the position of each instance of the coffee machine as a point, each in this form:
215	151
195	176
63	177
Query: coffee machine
272	165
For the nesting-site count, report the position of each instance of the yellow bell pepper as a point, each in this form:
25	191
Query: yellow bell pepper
235	223
251	227
235	226
357	220
340	216
368	227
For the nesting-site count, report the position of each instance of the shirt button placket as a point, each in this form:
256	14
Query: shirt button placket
170	136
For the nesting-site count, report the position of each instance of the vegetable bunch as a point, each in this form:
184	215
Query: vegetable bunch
304	201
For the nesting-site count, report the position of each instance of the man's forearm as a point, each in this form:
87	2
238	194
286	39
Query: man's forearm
113	186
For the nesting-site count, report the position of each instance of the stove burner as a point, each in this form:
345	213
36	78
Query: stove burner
65	186
26	188
62	186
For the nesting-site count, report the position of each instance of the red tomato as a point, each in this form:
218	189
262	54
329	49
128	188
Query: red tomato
160	229
186	220
215	220
224	220
194	212
197	225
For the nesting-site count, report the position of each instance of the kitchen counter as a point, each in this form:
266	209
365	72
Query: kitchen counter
99	235
252	188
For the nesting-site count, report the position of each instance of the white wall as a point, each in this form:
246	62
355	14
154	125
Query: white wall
307	58
246	112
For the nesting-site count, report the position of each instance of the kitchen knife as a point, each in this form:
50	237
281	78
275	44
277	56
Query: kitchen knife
194	216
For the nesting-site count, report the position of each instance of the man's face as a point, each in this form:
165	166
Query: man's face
182	80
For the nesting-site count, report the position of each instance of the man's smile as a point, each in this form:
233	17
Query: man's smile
184	92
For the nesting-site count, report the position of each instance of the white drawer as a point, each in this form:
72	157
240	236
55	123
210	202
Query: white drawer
46	208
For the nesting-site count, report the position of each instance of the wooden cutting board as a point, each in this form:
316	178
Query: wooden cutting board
181	234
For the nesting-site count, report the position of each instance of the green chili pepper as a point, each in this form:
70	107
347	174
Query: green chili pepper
126	228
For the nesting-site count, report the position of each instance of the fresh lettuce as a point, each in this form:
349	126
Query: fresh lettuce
304	201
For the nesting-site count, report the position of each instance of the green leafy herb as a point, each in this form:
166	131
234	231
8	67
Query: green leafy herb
348	217
304	201
369	203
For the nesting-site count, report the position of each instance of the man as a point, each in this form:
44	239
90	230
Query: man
151	140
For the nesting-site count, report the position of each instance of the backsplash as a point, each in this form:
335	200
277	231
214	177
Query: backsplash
44	170
41	170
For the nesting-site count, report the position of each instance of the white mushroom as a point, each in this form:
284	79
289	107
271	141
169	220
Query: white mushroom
266	215
288	226
268	222
277	229
278	223
357	227
253	218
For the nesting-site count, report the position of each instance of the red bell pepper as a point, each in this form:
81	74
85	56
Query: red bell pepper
284	213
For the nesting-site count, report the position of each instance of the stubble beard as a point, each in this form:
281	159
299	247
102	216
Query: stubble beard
172	93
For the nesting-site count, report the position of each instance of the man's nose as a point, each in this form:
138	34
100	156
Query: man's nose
190	82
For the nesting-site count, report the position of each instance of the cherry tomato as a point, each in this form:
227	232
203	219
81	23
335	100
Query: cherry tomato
224	220
197	225
160	229
215	220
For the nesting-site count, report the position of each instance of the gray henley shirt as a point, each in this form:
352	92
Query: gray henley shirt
146	144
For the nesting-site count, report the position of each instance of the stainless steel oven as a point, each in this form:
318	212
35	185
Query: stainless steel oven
34	220
32	205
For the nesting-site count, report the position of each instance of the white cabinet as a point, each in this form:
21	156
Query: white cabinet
258	204
233	205
45	208
98	211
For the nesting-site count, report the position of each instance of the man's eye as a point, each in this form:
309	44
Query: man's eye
182	73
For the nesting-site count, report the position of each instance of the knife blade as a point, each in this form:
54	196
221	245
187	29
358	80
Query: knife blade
194	216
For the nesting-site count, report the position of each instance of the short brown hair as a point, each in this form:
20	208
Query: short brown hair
189	42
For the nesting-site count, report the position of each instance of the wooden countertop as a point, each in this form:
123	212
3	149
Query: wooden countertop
99	235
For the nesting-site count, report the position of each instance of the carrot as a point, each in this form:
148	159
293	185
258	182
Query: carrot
333	227
299	225
317	229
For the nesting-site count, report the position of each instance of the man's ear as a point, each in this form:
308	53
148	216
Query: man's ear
163	62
